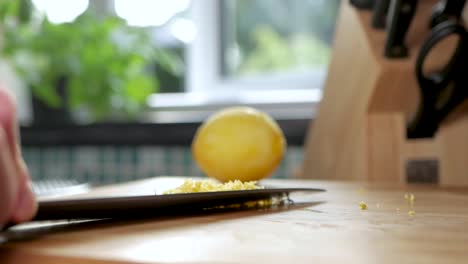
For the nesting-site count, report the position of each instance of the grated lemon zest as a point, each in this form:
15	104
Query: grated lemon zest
191	186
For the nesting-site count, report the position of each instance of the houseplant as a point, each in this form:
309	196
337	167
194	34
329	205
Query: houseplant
96	64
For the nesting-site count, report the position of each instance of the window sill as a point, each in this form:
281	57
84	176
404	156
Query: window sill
173	119
290	104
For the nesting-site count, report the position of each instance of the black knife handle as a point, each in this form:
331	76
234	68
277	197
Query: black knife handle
379	15
446	9
362	4
400	15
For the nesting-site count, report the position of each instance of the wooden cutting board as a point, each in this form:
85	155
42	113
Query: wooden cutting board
327	227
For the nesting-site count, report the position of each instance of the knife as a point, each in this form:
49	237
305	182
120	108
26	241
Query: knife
153	205
362	4
446	9
399	18
379	13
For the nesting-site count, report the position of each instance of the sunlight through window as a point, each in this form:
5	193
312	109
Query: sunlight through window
59	11
184	30
149	12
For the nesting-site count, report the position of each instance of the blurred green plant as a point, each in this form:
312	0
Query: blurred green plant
278	35
106	64
273	52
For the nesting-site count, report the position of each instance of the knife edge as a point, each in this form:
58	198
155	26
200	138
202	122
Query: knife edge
138	206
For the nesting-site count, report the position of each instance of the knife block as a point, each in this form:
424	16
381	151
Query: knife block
359	132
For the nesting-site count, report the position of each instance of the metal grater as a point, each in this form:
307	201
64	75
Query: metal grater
59	187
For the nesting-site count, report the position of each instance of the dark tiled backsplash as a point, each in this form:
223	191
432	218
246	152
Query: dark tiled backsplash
112	164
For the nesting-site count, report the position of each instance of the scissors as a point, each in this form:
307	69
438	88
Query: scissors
444	90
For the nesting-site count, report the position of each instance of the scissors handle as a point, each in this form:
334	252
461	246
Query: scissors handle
444	90
440	32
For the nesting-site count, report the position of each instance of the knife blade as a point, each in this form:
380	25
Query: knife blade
150	205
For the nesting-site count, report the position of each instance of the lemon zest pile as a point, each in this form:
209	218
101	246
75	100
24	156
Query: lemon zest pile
191	186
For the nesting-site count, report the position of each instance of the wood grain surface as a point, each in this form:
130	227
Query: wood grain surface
319	228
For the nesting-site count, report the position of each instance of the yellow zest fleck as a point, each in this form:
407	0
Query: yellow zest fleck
411	213
409	197
363	205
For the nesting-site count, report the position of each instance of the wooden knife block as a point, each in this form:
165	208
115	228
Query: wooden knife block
359	132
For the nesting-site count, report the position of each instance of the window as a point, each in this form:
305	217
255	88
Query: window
272	55
61	11
149	12
267	38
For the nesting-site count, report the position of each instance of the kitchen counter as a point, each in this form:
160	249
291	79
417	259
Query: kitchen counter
327	227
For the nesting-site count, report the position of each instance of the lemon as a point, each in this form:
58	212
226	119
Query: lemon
238	143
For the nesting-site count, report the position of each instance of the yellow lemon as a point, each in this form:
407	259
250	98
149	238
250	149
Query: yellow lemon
239	143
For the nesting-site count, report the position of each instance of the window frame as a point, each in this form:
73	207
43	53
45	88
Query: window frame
207	88
205	68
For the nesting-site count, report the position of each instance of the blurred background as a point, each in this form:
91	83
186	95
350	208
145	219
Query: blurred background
113	90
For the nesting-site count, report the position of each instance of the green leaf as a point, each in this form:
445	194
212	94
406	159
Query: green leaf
48	95
24	12
139	88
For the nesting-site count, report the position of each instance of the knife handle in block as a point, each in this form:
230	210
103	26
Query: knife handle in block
400	16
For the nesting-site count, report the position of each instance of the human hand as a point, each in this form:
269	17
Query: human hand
17	201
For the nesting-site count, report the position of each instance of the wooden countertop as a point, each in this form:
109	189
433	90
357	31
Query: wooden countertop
319	228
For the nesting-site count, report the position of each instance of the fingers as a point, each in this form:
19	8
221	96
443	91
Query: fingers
9	183
8	121
26	205
17	201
